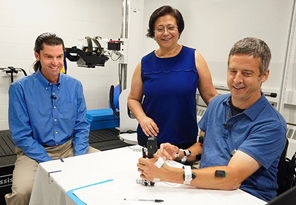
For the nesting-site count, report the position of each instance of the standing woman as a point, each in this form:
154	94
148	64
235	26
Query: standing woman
167	78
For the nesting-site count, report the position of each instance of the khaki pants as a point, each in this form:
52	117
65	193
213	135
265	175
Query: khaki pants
25	170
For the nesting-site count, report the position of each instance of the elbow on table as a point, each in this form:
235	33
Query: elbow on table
234	179
234	184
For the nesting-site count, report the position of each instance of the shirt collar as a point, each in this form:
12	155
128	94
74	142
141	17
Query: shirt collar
44	81
254	110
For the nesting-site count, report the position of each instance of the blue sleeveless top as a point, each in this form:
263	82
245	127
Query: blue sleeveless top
169	89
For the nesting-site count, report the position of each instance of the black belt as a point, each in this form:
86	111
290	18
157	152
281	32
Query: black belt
44	145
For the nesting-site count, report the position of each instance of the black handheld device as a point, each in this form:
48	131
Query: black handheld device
151	146
149	151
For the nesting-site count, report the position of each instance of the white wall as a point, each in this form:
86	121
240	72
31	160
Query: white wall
21	21
213	26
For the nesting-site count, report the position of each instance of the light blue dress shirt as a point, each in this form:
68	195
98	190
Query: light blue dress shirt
44	114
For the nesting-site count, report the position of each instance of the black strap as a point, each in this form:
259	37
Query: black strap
89	45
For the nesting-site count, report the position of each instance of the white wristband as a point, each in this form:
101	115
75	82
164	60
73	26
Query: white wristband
159	162
187	152
187	174
183	160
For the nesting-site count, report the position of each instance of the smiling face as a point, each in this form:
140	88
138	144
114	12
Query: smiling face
166	32
244	80
52	61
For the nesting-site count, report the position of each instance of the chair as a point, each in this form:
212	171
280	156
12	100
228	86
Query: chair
287	198
286	171
127	125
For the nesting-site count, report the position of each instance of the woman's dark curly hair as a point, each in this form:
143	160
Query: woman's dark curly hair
162	11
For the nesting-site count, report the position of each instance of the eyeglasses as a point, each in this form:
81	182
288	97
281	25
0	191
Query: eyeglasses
169	28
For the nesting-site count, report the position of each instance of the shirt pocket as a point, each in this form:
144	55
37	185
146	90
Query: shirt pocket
68	111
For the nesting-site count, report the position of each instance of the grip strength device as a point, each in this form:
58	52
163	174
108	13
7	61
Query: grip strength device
151	146
149	151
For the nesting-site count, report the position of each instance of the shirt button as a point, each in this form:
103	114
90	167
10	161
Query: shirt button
55	120
46	88
56	132
53	93
54	106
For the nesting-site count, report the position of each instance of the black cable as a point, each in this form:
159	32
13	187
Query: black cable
111	98
24	71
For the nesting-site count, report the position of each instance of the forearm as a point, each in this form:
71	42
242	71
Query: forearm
136	108
205	178
82	127
80	145
195	150
172	175
81	136
209	95
240	167
32	149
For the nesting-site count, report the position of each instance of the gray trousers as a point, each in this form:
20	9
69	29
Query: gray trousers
25	170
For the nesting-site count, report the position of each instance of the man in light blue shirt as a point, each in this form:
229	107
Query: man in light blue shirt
47	116
243	135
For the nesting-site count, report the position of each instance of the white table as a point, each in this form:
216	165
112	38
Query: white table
110	176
